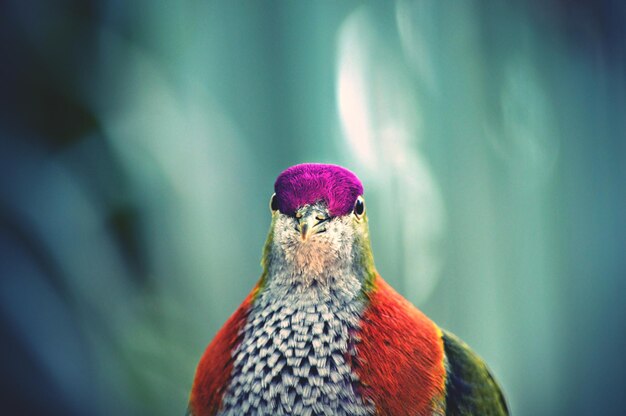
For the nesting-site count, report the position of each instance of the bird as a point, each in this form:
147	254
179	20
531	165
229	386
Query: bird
321	332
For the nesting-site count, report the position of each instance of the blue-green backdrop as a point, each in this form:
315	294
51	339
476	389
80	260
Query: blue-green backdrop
139	142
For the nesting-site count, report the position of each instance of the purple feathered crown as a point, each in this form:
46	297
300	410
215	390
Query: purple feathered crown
309	183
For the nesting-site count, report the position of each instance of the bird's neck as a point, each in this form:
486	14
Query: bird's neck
343	270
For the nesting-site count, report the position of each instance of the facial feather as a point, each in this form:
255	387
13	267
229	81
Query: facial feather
317	259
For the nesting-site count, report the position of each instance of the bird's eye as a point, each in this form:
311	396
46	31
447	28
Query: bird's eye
359	207
274	203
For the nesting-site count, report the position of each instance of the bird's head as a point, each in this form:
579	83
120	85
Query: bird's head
319	226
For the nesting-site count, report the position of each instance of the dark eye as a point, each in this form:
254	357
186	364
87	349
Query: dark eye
274	203
359	207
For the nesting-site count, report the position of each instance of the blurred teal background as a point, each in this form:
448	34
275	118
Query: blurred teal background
139	142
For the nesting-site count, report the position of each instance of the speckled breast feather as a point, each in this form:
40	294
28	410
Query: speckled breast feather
295	357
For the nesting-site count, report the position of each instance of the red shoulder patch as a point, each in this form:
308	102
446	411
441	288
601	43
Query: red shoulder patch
216	365
400	358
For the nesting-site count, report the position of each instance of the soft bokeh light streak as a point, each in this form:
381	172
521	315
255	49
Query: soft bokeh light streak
382	124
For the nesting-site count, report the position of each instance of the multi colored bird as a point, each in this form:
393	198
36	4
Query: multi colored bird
322	333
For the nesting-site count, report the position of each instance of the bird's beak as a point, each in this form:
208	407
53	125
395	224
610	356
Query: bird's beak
311	221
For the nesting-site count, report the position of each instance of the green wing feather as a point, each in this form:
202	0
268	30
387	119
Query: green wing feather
471	390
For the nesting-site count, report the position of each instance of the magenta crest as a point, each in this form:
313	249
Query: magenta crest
309	183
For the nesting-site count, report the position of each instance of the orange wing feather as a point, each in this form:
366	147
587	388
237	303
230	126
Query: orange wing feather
216	365
400	357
